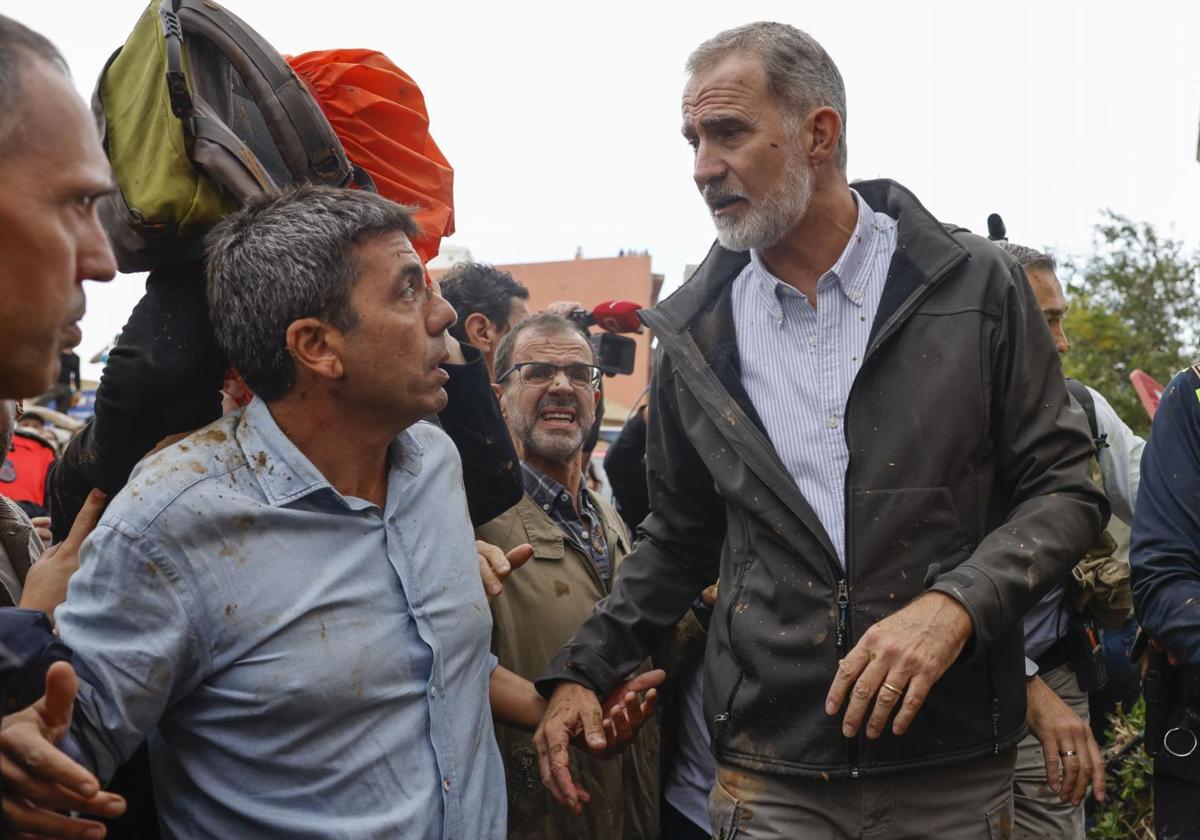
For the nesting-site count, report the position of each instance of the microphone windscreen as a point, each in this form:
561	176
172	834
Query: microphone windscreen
617	316
996	229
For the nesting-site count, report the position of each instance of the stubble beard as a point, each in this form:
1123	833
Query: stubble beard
766	222
553	446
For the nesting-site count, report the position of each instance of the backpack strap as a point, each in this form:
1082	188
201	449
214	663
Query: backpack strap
301	132
1084	397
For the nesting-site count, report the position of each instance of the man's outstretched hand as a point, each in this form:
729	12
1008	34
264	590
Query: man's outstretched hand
495	566
899	659
39	779
574	712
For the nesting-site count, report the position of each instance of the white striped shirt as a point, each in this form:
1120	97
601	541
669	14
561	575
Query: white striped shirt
798	363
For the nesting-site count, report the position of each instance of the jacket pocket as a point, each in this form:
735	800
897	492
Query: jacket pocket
902	538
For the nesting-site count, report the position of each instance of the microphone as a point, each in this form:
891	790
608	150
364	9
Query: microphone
614	316
996	229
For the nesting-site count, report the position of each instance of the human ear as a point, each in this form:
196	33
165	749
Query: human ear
317	347
478	329
823	130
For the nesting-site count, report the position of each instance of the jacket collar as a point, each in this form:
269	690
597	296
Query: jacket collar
547	538
924	250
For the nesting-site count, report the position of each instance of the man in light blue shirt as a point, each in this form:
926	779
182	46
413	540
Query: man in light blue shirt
287	603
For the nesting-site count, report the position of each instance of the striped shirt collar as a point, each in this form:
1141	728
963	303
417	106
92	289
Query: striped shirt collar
847	272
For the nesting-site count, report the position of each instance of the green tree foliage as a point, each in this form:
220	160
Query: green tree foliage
1134	304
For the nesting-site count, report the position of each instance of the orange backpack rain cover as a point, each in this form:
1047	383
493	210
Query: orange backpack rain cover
379	114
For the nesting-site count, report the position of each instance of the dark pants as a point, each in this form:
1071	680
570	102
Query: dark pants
1177	796
675	826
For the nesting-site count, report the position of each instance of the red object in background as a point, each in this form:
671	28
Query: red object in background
1148	390
616	316
378	113
23	473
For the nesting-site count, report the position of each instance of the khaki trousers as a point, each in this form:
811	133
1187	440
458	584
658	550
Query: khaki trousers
1039	813
962	801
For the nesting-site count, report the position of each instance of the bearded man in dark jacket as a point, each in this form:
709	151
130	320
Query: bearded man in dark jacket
860	425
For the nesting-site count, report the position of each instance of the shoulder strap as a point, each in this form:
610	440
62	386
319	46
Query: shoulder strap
1084	397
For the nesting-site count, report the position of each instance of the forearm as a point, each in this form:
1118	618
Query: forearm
1043	453
163	377
514	700
654	590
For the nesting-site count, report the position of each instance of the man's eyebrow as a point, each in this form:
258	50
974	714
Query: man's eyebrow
716	122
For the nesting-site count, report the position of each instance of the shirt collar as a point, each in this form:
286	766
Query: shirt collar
284	472
547	493
846	272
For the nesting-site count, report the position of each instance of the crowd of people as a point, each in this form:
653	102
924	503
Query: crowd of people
326	562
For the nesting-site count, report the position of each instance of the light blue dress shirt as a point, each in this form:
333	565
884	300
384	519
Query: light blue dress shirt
799	362
305	664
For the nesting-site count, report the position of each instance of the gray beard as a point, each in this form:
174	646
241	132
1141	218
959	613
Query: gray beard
767	222
559	447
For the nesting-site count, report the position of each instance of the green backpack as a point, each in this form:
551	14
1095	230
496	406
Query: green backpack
198	113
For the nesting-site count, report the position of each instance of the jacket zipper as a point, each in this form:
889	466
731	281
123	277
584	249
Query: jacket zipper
722	719
843	588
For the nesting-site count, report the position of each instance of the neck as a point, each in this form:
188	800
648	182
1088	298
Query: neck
811	248
355	464
568	473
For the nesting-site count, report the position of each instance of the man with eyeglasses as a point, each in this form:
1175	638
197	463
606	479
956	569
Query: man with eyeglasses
547	382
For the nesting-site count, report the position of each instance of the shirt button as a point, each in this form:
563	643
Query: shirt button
446	783
545	507
832	422
812	339
433	691
586	535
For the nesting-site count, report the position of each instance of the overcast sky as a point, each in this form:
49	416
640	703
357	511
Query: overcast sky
562	119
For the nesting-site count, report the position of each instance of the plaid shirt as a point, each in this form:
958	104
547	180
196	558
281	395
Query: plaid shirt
583	527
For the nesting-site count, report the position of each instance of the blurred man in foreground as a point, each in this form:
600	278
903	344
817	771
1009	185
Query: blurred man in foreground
51	170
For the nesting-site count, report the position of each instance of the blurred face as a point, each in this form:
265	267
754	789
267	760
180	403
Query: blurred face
550	421
51	171
1052	302
391	357
748	165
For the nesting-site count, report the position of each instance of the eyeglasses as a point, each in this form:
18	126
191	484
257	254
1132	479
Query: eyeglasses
540	373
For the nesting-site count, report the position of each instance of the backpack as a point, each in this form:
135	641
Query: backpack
1100	583
197	113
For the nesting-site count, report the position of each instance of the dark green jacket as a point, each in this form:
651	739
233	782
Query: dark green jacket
967	475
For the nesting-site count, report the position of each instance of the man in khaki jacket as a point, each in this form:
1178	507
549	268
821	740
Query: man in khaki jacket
547	384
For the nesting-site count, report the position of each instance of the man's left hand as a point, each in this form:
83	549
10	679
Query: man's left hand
901	656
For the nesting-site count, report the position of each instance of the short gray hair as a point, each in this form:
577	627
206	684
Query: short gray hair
1028	257
18	45
287	256
800	74
543	323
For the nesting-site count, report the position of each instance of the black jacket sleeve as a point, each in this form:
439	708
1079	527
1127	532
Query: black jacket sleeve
163	377
678	555
1166	525
1053	510
473	420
